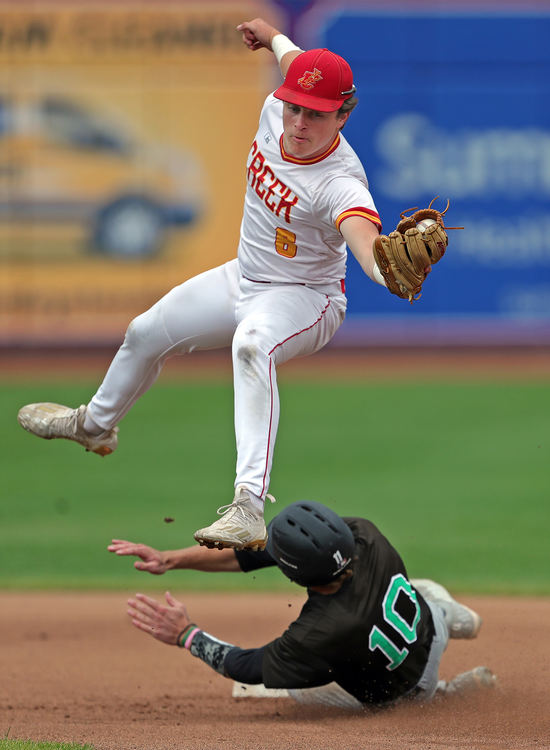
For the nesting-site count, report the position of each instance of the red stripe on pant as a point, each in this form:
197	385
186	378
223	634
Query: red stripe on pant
303	330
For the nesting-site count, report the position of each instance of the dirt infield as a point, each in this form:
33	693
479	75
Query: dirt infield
73	669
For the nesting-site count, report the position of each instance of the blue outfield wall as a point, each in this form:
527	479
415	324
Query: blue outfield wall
455	102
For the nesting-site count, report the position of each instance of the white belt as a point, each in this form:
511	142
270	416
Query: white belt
332	288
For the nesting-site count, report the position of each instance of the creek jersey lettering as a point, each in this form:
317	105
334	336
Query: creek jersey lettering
294	207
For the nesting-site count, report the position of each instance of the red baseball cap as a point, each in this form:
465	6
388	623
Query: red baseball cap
317	79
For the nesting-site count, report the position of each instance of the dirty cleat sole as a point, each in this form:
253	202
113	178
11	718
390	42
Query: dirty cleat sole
253	545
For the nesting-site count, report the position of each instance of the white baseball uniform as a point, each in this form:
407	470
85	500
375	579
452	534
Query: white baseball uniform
283	297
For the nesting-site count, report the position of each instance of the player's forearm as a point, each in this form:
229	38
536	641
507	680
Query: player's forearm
367	263
201	558
243	665
284	50
359	234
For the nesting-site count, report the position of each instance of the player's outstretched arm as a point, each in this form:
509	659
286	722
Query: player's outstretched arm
157	562
258	34
359	234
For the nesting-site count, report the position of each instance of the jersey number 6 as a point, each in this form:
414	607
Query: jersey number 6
285	242
407	631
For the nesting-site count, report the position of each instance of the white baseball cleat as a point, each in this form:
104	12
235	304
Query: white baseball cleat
51	421
241	525
479	678
462	621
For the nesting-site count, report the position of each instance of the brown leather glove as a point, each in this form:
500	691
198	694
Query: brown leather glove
406	255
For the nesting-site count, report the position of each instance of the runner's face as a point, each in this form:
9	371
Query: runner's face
307	132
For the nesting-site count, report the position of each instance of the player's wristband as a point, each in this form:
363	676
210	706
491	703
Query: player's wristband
186	636
377	275
281	44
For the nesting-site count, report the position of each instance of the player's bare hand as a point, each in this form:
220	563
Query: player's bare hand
257	33
151	560
163	621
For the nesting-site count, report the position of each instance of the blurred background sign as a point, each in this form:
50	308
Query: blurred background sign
454	100
124	129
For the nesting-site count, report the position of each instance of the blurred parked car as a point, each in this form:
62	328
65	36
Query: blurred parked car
63	163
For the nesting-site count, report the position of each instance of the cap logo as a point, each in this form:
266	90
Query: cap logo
309	79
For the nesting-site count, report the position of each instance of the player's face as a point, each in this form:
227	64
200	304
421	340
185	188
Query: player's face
307	132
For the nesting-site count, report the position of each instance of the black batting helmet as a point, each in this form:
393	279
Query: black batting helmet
310	543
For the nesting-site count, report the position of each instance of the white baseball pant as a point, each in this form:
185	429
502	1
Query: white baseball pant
266	324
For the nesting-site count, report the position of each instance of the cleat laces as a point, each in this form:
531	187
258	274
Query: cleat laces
240	505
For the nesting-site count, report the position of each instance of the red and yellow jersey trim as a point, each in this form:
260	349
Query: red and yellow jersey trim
315	160
366	213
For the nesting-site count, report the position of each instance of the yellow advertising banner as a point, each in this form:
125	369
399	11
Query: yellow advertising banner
124	130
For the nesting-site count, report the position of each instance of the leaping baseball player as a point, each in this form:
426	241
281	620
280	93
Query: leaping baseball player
307	197
366	636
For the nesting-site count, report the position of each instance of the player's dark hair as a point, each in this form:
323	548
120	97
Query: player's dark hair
347	106
310	543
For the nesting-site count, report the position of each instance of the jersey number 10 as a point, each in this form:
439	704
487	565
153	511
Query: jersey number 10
378	639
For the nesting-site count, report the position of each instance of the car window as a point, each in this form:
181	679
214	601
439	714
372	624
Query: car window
66	123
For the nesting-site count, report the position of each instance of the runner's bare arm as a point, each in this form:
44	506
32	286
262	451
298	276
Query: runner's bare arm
158	562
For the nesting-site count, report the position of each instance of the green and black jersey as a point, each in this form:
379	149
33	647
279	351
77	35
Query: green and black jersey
372	637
